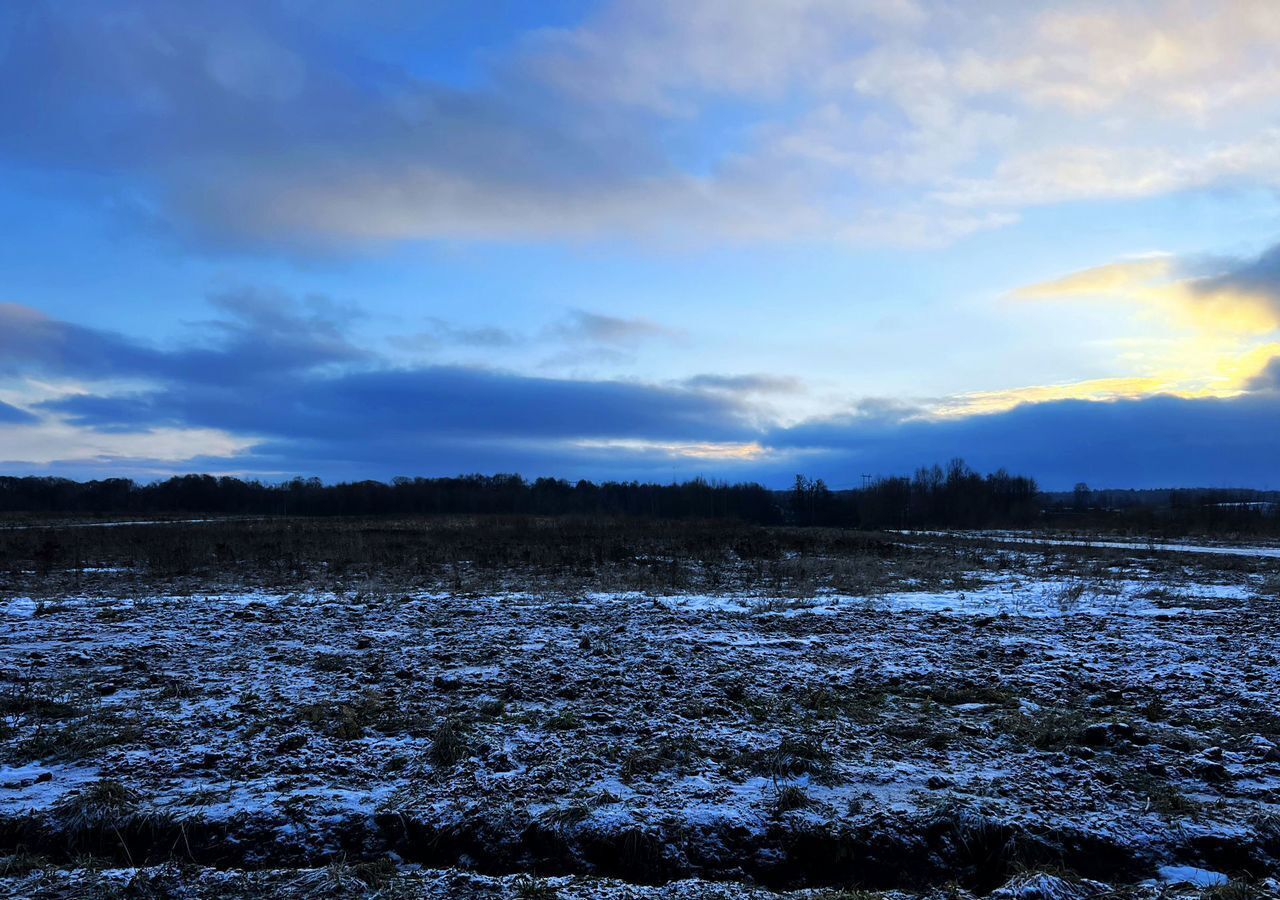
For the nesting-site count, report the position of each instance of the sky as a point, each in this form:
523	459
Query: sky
641	239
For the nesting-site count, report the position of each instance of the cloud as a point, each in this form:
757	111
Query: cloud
1189	327
653	54
41	442
442	333
29	340
272	124
1110	280
10	415
436	419
273	379
579	329
745	384
241	122
1229	301
405	404
260	335
1064	172
305	400
581	326
1268	379
1150	442
1257	278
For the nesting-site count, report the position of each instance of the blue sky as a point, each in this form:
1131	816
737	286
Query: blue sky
641	239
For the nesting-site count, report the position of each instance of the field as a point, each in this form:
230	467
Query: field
560	708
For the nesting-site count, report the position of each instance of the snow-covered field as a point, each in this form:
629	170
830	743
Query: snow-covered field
1038	722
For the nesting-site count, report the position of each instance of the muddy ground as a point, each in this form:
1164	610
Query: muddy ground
768	714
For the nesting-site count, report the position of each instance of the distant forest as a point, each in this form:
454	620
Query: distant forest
935	497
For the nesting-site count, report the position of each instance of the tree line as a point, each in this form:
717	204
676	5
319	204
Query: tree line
463	495
1171	511
954	496
957	497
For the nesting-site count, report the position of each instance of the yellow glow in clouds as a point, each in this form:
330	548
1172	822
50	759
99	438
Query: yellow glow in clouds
1199	338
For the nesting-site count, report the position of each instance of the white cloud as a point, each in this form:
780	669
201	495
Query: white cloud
908	121
652	53
52	440
879	117
1085	172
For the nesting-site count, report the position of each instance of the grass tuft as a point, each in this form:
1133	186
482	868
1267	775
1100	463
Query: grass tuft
448	744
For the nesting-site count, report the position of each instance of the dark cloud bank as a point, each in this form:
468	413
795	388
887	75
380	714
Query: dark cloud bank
284	374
